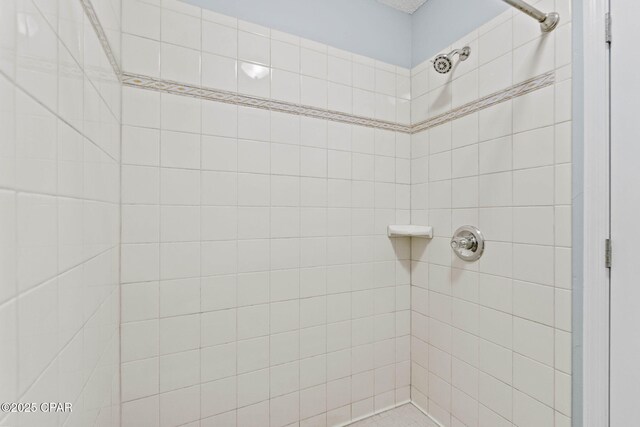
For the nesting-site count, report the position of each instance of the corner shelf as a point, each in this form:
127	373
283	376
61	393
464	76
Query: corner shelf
421	231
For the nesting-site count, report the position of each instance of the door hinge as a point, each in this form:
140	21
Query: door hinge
607	28
607	253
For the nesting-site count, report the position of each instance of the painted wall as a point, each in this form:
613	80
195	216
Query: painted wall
365	27
439	22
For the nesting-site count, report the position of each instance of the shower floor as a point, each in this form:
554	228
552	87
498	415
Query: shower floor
402	416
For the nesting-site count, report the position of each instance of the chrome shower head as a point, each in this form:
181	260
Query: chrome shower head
443	63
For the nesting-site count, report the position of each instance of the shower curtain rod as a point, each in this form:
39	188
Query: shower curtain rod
548	21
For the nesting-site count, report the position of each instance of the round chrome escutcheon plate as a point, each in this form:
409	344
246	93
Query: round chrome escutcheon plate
468	243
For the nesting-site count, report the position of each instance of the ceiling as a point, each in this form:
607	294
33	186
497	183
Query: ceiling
407	6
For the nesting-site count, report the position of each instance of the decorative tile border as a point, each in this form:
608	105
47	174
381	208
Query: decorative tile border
533	84
177	88
167	86
102	36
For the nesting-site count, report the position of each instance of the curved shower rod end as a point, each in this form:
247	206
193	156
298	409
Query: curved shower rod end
550	22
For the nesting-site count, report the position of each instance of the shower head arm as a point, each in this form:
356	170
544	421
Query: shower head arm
444	63
462	53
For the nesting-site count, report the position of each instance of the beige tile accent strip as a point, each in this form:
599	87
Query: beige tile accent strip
161	85
533	84
102	36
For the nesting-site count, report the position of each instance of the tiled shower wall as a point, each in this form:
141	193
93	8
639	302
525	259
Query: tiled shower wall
491	340
259	286
59	215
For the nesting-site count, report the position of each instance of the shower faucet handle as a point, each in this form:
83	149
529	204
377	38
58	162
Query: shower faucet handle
463	242
468	243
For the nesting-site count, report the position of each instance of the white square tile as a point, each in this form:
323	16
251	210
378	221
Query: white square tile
218	396
285	409
339	70
140	107
179	297
219	39
179	370
533	302
254	79
533	186
253	321
285	56
495	121
140	301
219	119
534	225
313	63
496	75
218	362
533	148
141	55
141	19
187	399
217	293
181	113
140	184
253	354
181	29
285	159
254	48
140	340
139	379
313	91
533	110
258	413
533	340
464	131
495	42
218	153
285	86
218	327
253	156
533	378
253	387
464	89
219	188
496	155
179	333
533	263
339	98
496	189
180	64
180	187
253	124
533	58
530	412
464	161
140	146
180	150
219	72
144	411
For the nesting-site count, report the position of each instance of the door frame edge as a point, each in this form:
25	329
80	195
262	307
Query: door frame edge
591	345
